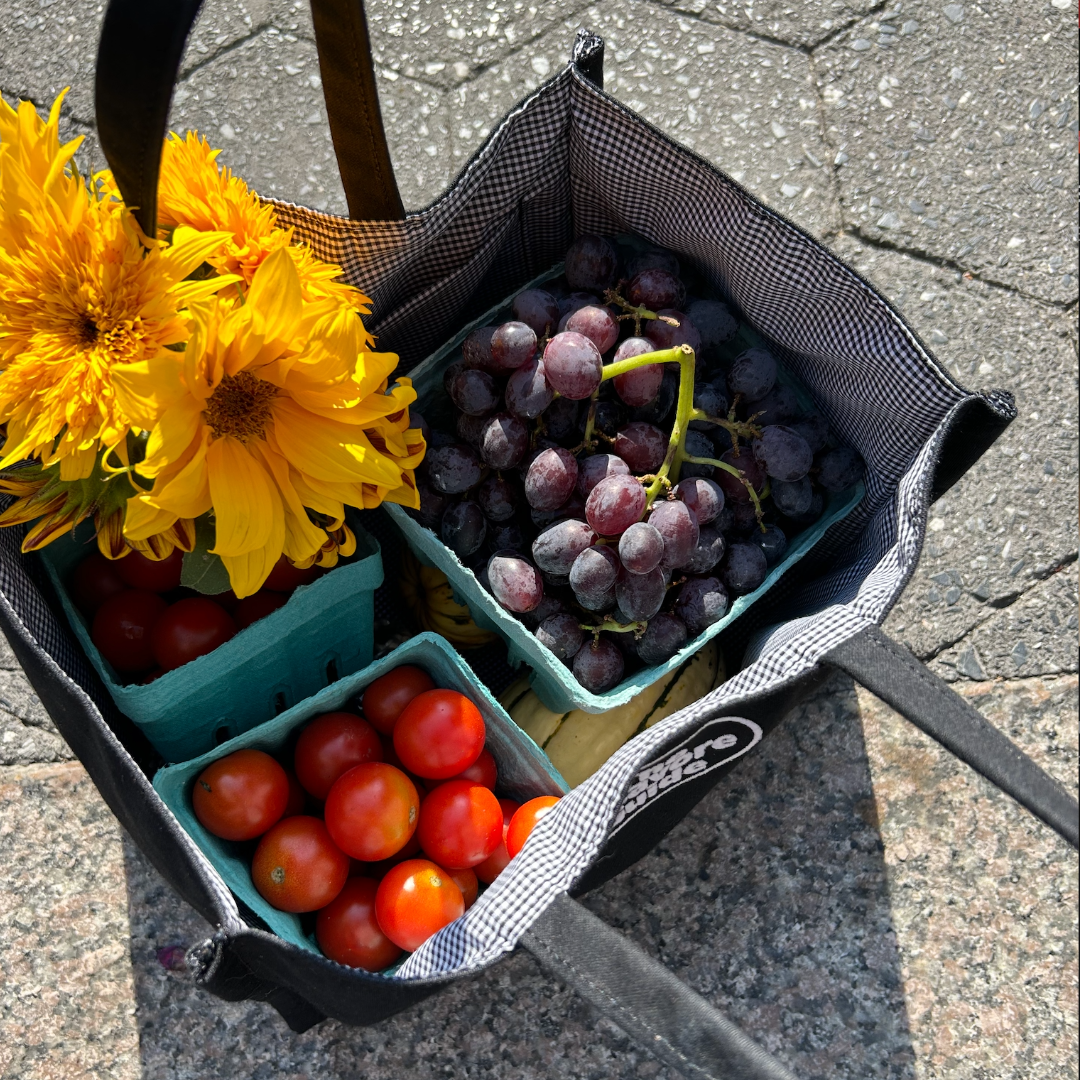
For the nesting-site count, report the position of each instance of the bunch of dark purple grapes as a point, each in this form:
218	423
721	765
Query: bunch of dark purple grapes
618	514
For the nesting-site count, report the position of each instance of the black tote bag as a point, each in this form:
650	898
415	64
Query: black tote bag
553	168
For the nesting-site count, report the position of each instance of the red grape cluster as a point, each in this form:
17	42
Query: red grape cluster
548	488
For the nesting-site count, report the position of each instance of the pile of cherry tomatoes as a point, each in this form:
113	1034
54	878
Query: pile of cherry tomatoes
386	824
144	623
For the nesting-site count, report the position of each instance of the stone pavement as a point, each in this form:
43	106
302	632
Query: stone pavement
871	911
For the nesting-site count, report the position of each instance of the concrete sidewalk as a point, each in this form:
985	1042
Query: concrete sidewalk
856	900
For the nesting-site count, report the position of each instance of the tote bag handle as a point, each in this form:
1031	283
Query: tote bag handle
142	43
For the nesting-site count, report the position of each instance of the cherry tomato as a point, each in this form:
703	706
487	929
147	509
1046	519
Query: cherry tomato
297	867
331	745
154	575
466	881
189	629
123	626
92	582
297	796
151	676
240	796
348	932
495	863
482	771
385	698
372	810
438	734
253	608
524	821
285	577
228	600
460	824
415	900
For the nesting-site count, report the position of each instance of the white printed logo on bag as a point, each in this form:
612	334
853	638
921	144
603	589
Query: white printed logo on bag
717	743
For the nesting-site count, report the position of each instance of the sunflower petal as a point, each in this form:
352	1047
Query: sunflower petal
247	506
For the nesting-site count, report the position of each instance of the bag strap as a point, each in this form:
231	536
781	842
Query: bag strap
142	43
891	672
640	995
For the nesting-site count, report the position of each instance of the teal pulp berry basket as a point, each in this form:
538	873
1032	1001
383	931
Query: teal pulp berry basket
524	770
553	680
326	630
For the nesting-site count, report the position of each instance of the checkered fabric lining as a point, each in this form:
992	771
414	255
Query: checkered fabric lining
570	159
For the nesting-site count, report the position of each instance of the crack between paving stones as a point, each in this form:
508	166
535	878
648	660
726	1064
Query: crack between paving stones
1001	603
945	263
232	46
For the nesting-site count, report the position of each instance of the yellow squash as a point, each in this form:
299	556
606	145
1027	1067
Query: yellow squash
431	600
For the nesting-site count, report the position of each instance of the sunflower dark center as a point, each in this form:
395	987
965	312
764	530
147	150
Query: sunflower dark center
240	407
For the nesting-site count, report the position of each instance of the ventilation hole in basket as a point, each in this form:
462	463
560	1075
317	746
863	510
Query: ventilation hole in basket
280	704
222	734
331	672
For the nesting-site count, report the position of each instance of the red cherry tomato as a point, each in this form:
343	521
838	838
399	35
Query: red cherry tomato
154	575
439	734
495	863
285	577
466	881
189	629
123	626
330	746
348	932
460	824
372	810
240	796
228	600
524	821
253	608
297	796
482	771
384	698
415	900
297	867
92	582
390	756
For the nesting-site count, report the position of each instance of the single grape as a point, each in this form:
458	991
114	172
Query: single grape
463	528
711	400
599	603
839	469
598	666
575	300
469	428
784	453
817	508
772	542
614	504
514	581
556	548
562	634
453	469
707	553
550	605
590	264
751	470
593	469
476	348
593	574
702	602
555	581
642	446
504	438
550	479
572	365
562	421
625	643
814	428
725	520
512	344
438	438
665	336
655	289
498	498
745	522
538	310
678	526
698	444
658	411
420	424
648	260
752	374
433	505
744	568
715	323
641	548
527	391
792	498
507	537
471	391
778	406
663	638
597	324
640	596
641	385
608	418
704	497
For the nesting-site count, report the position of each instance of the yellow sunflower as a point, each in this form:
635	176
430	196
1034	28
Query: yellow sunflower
264	423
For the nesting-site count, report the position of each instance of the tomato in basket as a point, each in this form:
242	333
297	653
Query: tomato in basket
240	796
460	824
386	697
330	746
439	734
189	629
525	820
348	932
372	811
153	575
297	867
415	900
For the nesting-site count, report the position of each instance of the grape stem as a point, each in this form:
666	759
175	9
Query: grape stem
637	313
636	628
